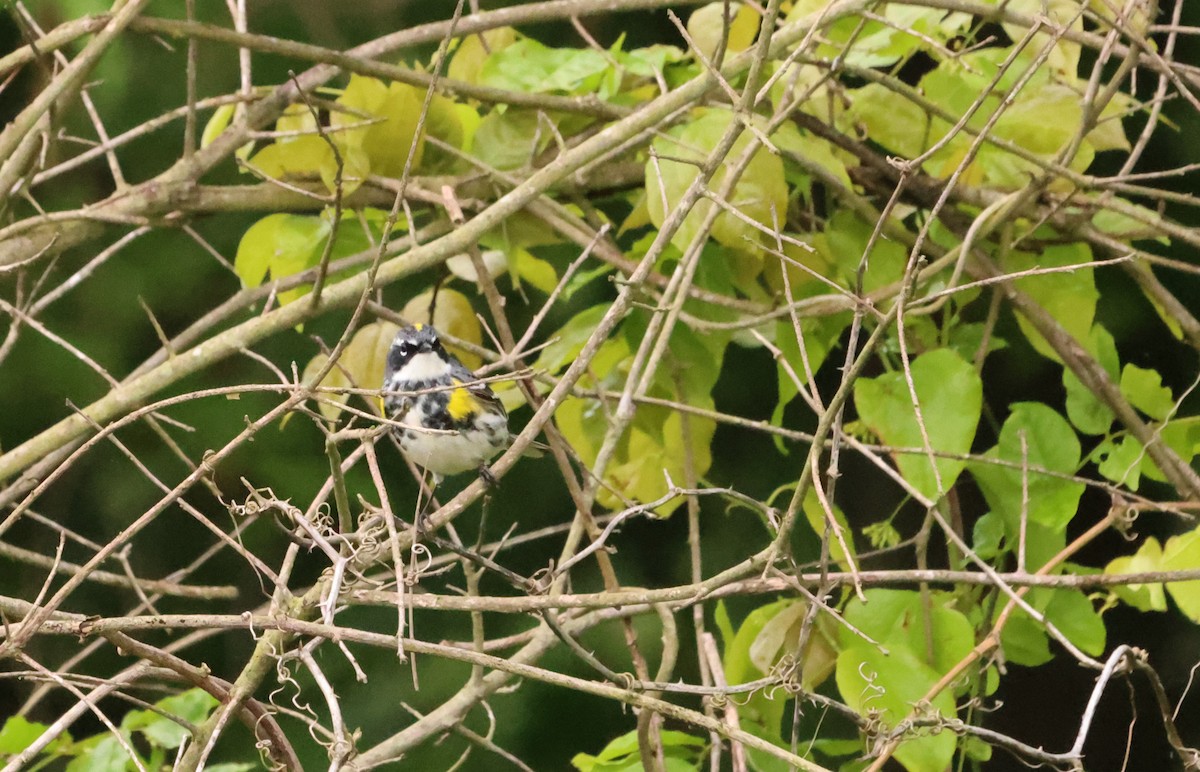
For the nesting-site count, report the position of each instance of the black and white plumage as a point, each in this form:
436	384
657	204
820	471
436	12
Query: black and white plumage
451	423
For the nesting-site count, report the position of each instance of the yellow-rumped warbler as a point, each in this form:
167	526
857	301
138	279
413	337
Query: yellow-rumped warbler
451	422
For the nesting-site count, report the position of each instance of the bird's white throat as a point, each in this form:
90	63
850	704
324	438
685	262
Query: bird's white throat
424	367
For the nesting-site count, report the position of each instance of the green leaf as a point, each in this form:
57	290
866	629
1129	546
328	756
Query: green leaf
1033	437
1121	461
295	118
899	618
821	335
657	447
882	535
680	749
1063	54
529	66
106	755
957	82
330	404
18	733
1182	553
1126	227
538	272
620	746
1025	124
870	43
695	365
511	139
1024	641
648	62
800	268
1069	297
891	119
845	240
736	661
725	272
361	365
192	706
890	685
760	194
768	634
976	748
453	123
1087	412
988	535
281	244
1144	390
816	516
640	470
779	636
1072	613
570	339
776	634
724	624
950	395
581	279
967	338
1181	435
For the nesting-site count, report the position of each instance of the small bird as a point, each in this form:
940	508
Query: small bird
451	422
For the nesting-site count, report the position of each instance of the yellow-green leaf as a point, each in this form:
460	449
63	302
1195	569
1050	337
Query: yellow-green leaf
1182	553
330	404
387	140
474	50
760	193
1148	558
283	244
1069	296
1144	390
219	121
299	156
818	520
452	123
361	365
640	470
706	27
296	118
537	272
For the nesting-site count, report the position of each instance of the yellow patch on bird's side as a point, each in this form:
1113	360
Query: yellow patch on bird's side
418	326
462	404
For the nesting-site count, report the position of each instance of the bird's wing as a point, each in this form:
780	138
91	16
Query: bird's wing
480	391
